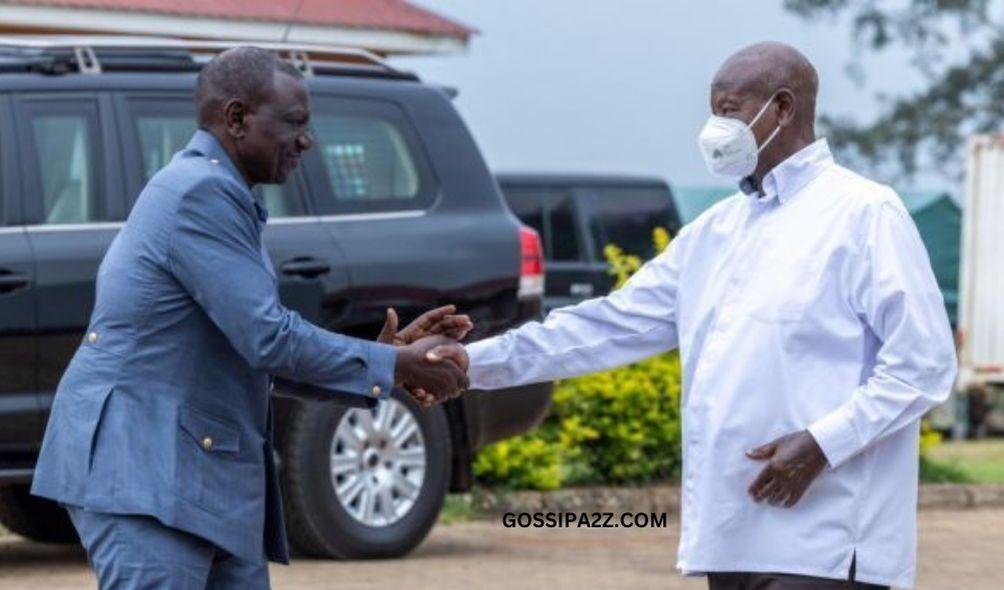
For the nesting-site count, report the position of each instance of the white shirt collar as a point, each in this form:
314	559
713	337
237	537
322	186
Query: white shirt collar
788	177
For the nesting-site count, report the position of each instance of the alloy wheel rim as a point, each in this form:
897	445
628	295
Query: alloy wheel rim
377	463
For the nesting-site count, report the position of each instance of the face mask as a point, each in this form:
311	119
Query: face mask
729	147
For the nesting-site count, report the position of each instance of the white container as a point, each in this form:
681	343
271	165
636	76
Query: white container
981	284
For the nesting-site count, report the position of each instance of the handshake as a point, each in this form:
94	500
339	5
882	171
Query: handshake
431	364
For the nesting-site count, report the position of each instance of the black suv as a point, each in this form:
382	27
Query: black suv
578	215
394	207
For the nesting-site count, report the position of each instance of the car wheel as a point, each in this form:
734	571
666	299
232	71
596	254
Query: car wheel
363	483
35	518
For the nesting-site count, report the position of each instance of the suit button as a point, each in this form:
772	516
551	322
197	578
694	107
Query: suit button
376	390
92	337
207	443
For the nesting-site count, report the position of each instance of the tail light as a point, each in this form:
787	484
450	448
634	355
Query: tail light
531	270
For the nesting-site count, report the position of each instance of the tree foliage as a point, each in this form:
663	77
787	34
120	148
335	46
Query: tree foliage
959	47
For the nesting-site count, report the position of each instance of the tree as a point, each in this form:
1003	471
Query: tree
965	94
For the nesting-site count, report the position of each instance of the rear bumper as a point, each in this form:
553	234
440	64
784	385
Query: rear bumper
503	413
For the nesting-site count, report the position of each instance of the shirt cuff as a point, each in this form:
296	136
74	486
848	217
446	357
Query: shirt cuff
380	361
836	437
479	375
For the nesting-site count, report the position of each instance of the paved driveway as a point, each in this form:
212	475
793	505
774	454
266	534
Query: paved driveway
959	550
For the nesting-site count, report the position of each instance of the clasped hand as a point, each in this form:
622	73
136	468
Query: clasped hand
431	364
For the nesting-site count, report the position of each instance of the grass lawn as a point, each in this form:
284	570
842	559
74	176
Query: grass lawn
981	461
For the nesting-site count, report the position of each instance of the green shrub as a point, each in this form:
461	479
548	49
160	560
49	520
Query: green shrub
633	414
530	461
620	426
932	471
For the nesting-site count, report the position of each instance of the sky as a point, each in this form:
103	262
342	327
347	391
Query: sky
599	86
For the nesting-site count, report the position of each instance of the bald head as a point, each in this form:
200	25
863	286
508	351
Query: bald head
781	81
763	69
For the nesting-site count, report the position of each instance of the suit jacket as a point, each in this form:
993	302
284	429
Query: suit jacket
164	409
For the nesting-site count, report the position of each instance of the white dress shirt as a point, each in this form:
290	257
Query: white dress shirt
812	306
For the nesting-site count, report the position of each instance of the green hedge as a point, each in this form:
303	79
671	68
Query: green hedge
621	426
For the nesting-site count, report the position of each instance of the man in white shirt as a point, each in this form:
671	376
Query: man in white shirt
813	338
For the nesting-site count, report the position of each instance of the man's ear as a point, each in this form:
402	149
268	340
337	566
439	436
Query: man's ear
235	118
785	107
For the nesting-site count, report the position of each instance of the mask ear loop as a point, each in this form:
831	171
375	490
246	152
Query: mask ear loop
769	139
763	110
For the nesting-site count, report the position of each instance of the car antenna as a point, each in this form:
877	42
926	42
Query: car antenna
292	17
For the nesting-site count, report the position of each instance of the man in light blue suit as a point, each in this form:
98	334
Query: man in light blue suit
160	438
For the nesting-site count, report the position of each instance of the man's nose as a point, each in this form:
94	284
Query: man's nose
305	141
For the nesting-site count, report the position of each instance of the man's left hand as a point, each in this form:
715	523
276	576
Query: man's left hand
440	321
793	462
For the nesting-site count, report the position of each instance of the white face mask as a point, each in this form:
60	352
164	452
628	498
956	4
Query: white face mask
729	147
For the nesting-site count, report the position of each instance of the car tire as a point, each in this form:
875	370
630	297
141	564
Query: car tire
35	518
319	523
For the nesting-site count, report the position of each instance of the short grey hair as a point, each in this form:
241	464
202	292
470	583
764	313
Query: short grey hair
243	73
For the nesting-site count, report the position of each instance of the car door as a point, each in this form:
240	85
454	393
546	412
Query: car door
20	423
371	181
309	268
73	209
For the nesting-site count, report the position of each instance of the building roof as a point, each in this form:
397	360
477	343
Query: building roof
394	15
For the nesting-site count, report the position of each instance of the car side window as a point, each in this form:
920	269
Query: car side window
529	207
64	161
370	156
553	213
564	229
160	137
627	216
6	168
164	127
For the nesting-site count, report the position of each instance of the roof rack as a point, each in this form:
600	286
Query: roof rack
58	54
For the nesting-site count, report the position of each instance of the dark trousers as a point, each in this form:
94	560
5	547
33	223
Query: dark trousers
760	581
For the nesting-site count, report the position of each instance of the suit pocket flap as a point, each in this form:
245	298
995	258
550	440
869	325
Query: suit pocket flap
211	433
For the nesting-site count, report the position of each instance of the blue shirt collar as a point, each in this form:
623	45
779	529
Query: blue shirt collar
791	175
205	143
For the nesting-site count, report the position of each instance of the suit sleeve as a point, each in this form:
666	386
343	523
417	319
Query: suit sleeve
896	294
632	323
214	251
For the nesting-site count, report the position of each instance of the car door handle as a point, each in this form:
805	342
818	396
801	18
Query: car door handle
305	267
12	281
